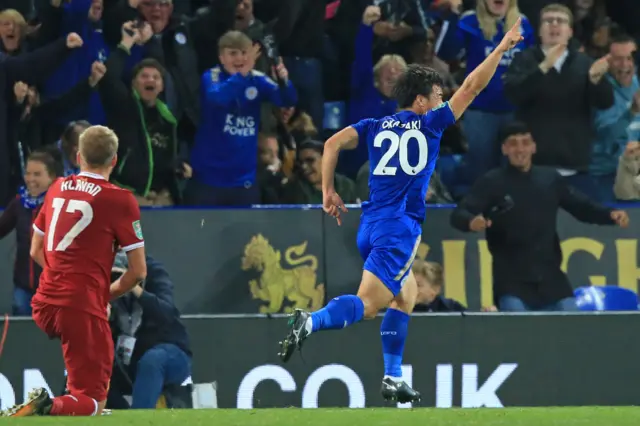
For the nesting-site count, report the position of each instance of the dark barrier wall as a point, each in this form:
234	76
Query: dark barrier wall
469	361
269	260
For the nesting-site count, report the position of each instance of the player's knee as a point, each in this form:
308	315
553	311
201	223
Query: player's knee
370	310
400	305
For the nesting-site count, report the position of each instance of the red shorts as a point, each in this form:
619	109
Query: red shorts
87	347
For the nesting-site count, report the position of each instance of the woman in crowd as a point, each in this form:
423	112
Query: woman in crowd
41	170
480	31
13	30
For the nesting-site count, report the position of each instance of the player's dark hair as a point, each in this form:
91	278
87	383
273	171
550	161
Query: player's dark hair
51	162
415	80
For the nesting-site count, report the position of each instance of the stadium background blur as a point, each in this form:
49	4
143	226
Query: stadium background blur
342	65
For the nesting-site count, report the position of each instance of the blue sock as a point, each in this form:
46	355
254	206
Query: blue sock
340	312
393	332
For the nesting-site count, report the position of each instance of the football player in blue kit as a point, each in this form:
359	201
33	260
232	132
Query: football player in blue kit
403	149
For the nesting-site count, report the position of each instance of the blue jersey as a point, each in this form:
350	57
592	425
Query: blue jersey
225	153
403	149
478	48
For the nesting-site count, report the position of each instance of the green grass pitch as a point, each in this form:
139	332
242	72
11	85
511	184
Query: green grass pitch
579	416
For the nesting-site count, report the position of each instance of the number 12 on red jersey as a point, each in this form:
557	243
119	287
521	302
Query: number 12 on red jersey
72	206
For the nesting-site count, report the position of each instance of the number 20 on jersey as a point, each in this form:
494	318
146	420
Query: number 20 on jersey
399	146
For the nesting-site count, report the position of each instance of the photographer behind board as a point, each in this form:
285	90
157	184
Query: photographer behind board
517	207
152	351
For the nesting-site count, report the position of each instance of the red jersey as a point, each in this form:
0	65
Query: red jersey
84	219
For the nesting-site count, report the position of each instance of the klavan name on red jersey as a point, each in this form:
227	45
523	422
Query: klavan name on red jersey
84	219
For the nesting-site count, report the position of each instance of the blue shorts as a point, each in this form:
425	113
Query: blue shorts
388	248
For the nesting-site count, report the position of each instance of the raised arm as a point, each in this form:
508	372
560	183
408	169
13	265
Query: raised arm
362	67
282	96
78	95
480	77
35	67
114	93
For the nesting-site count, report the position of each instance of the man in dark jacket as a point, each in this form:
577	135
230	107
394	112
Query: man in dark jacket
148	152
185	48
555	89
518	206
32	68
152	346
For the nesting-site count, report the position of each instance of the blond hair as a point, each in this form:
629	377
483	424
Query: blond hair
488	23
560	8
17	18
234	40
431	271
304	123
385	61
98	146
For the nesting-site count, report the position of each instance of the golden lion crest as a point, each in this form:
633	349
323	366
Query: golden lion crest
277	284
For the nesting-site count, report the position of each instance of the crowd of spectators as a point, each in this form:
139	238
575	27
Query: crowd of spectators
228	102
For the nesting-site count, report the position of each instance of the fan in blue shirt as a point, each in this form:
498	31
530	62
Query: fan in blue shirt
225	154
403	149
480	31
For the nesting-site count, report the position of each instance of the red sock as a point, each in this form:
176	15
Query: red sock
73	405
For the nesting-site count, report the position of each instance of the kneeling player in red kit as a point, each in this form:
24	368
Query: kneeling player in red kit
83	220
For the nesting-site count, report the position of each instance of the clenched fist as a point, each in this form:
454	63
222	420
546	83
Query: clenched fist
281	71
371	15
620	217
74	41
479	223
20	89
98	70
146	32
